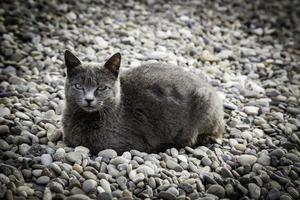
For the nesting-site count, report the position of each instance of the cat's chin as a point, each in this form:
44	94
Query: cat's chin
90	109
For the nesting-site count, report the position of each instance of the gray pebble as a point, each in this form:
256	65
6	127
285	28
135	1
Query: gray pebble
105	185
89	185
167	195
216	190
42	180
46	159
56	187
254	191
4	129
108	153
74	156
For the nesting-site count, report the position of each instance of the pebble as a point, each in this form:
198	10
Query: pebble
254	191
256	75
89	185
43	180
4	130
4	111
216	190
251	110
53	135
56	187
246	159
74	156
105	185
173	165
119	160
89	175
78	197
46	159
167	195
108	153
22	115
173	191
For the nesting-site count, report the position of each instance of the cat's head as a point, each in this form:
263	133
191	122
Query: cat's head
92	86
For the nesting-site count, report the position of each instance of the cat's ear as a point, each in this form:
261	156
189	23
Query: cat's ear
113	64
71	60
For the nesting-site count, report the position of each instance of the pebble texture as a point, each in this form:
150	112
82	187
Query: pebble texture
249	50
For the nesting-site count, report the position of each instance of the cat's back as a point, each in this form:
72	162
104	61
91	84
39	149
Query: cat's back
161	76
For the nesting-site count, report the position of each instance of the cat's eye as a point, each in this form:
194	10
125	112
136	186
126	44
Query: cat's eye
102	88
78	86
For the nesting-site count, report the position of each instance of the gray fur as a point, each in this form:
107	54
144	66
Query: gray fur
149	108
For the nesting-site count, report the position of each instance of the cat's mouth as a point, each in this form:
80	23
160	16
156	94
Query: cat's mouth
90	108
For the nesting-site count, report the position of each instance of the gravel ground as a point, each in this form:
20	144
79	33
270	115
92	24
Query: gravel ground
249	50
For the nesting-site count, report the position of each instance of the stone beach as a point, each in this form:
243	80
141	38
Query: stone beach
248	50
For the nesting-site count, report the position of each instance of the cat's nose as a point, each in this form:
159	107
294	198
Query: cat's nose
89	100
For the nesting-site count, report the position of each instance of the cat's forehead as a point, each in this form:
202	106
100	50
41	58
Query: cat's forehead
91	74
92	65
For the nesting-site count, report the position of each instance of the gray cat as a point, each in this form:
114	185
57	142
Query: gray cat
149	108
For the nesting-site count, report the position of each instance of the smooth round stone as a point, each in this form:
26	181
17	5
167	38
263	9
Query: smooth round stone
273	194
122	181
42	180
22	115
277	152
174	152
46	159
24	148
230	106
182	158
108	153
29	191
37	172
285	197
127	155
146	170
240	147
258	133
74	156
251	110
59	155
226	173
4	145
119	160
89	175
199	153
138	177
254	191
56	187
173	191
4	130
166	195
105	196
78	197
293	192
264	160
4	111
105	185
89	185
78	168
173	165
206	161
82	149
56	168
216	190
53	135
246	160
4	179
152	182
188	188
